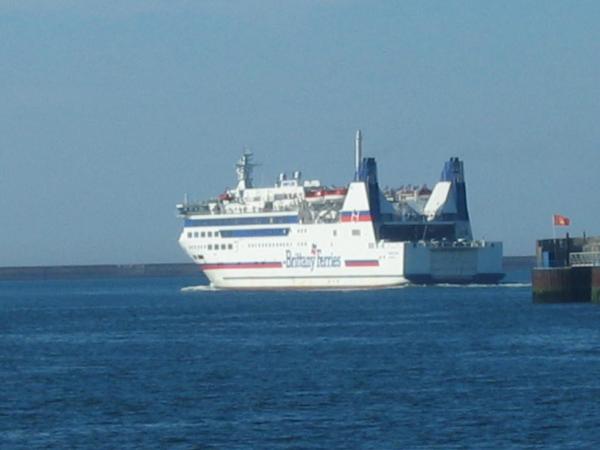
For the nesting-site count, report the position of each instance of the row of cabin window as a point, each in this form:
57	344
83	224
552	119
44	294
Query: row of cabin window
216	246
272	244
202	234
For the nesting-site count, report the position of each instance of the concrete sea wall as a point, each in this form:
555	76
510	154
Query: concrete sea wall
595	290
566	284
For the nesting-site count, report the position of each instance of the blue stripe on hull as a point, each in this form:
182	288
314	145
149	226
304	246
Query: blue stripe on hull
260	232
240	221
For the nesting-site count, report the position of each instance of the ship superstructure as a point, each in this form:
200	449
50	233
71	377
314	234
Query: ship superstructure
302	234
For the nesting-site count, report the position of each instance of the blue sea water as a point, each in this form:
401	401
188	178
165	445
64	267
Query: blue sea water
136	363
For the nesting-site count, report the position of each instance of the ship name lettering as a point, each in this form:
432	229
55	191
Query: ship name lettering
310	262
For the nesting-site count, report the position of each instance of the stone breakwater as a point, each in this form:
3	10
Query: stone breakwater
99	271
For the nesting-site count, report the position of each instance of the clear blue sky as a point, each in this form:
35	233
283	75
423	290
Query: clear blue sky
110	111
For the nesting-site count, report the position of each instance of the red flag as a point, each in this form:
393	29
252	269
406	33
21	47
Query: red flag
561	221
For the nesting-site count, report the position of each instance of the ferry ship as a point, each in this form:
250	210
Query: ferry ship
301	234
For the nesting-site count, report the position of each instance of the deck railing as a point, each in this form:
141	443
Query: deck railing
580	259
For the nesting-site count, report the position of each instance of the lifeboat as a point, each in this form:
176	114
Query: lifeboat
325	194
225	197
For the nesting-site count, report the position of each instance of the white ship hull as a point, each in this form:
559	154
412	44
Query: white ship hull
330	256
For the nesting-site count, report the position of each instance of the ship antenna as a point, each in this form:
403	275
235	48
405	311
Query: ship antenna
357	154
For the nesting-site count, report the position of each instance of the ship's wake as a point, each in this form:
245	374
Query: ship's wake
475	285
210	288
199	288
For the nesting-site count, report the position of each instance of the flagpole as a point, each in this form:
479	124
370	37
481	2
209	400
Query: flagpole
553	229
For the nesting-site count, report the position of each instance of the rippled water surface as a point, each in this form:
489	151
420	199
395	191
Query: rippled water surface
139	364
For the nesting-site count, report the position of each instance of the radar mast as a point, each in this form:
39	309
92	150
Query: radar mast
243	169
